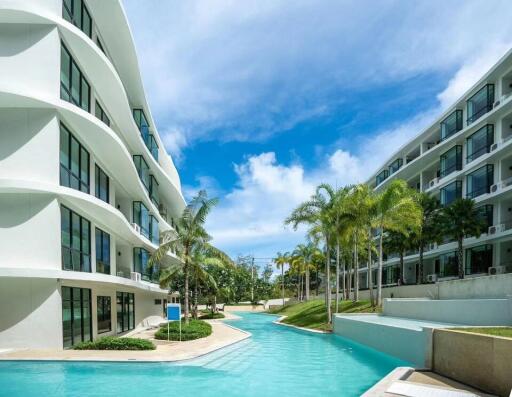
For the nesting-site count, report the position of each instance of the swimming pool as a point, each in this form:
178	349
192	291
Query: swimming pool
276	361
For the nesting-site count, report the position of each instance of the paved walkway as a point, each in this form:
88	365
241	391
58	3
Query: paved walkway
222	335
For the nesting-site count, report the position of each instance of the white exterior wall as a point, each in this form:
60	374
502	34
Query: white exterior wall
31	112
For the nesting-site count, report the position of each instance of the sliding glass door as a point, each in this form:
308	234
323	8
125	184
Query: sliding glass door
76	315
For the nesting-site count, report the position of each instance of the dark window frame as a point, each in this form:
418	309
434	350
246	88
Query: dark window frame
484	109
104	313
72	250
458	192
100	113
470	268
138	219
98	173
489	173
105	262
72	18
130	315
138	159
457	113
489	130
67	169
69	90
72	309
458	161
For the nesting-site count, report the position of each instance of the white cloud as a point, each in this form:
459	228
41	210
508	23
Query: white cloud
175	141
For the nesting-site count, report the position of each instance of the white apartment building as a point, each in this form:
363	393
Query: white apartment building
466	152
86	186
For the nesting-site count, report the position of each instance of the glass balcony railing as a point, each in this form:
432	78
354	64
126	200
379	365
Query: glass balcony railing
451	125
450	193
381	177
451	161
479	143
142	169
480	103
152	146
141	218
480	181
395	166
153	191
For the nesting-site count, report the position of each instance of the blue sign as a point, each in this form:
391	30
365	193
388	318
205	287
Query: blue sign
173	311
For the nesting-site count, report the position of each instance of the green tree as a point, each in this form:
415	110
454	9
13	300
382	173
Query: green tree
281	260
461	219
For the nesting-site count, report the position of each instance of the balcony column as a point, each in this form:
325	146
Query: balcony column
93	247
113	255
496	254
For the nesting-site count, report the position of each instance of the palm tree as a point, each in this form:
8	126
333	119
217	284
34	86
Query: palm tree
430	230
399	243
461	219
395	210
280	260
189	236
316	213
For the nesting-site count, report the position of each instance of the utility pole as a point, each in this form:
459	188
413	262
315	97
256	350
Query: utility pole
252	280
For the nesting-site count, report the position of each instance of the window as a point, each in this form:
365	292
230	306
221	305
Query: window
102	252
451	161
142	122
479	182
74	11
102	184
480	103
142	169
125	311
450	193
100	114
104	313
381	177
74	87
153	190
478	259
141	217
479	143
100	46
485	213
154	234
76	315
448	265
390	275
75	241
140	265
74	162
152	146
395	166
451	124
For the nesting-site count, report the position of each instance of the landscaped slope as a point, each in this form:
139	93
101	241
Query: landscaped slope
313	314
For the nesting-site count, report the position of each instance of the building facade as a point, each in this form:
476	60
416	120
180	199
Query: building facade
466	152
86	186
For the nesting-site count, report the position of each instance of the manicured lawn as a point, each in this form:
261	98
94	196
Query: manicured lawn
313	314
496	331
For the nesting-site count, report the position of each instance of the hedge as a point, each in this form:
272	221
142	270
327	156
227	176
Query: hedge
194	330
115	343
210	316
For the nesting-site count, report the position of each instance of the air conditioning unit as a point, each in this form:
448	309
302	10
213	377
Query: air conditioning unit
494	146
497	228
494	188
431	278
135	276
433	182
497	270
136	227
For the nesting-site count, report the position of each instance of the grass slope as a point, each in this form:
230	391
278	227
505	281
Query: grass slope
313	314
496	331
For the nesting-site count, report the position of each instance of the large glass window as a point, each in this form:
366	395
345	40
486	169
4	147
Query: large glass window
140	265
142	122
102	252
480	103
154	235
141	217
74	162
479	182
152	146
395	166
478	259
76	315
104	313
142	169
75	11
448	264
451	161
102	184
480	142
450	193
381	177
153	190
485	213
100	113
125	302
75	241
390	275
451	125
74	87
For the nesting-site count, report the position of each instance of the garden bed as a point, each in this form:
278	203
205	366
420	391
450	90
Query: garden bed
115	343
194	330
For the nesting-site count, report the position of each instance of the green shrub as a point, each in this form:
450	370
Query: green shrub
194	330
210	316
114	343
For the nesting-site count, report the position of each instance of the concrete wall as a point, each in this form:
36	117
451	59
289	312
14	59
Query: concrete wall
405	291
478	360
412	345
456	311
244	308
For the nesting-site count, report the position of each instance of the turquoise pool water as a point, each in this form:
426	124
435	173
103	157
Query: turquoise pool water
276	361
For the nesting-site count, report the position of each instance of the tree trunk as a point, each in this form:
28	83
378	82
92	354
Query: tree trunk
356	270
402	268
328	284
460	257
370	278
307	282
186	276
349	279
214	305
282	280
317	279
196	290
337	275
379	271
419	276
343	278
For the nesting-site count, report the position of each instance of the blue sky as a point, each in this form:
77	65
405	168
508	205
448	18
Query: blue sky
259	101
